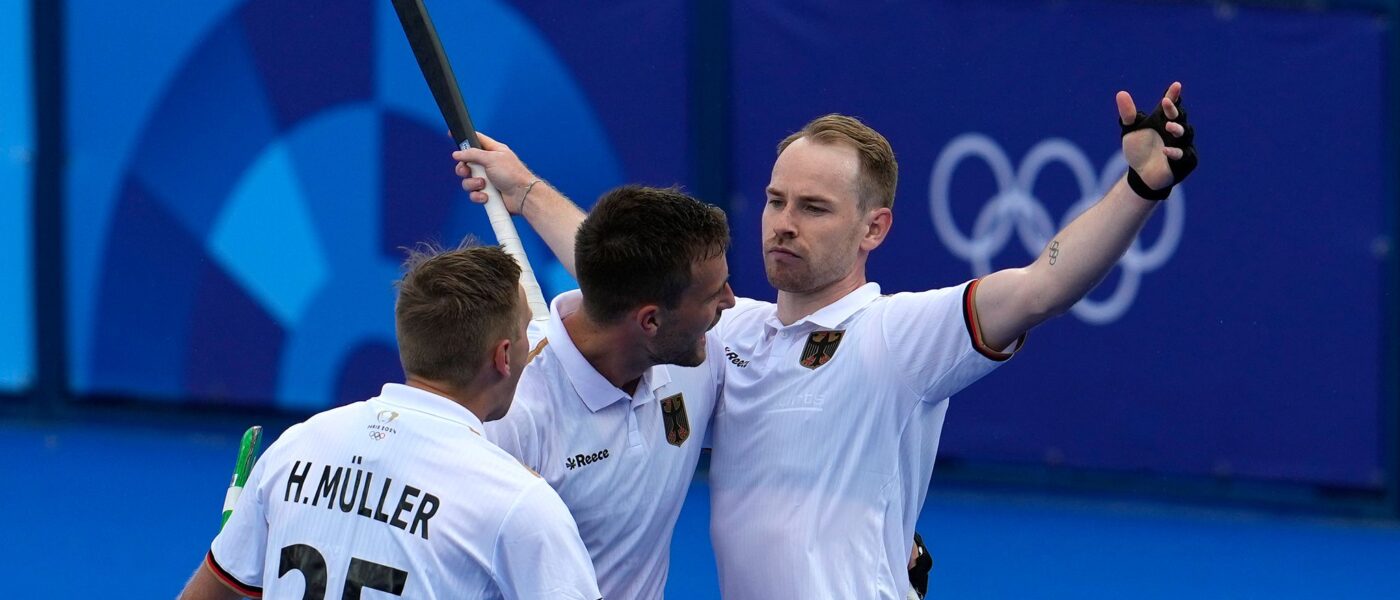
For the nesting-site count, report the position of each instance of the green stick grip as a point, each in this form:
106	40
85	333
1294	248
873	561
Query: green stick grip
247	455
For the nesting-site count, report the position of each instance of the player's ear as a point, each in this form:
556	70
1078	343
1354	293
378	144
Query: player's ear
648	319
500	357
877	226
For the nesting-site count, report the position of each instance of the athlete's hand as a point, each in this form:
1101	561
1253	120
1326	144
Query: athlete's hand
503	168
1160	162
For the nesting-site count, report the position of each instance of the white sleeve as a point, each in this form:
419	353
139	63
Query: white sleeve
539	553
717	358
934	339
237	553
723	329
535	332
515	432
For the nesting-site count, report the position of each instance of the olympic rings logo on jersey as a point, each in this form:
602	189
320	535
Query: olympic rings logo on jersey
1015	207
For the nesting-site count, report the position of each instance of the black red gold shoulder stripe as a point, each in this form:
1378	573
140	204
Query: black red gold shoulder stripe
974	327
538	349
229	580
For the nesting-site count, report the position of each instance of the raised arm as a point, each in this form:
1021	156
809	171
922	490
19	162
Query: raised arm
552	215
1159	150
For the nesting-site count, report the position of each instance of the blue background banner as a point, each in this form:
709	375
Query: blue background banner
16	152
204	207
244	175
1242	336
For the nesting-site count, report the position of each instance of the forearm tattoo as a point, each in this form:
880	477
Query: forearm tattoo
1054	251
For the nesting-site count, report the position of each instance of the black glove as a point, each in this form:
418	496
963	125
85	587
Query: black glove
1181	167
918	574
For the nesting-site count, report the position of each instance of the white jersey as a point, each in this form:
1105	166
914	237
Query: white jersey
622	463
401	494
825	438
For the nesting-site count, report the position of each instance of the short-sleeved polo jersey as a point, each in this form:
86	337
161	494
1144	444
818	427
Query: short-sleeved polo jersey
621	462
825	438
401	494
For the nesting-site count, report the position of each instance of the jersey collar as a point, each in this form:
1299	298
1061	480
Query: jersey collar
833	315
595	390
412	398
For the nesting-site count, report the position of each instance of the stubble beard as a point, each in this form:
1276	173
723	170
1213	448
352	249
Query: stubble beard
678	351
810	274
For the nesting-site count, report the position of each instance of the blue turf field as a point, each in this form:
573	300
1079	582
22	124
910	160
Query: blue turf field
127	510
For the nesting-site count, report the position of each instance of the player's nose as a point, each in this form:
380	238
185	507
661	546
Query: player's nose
781	223
727	301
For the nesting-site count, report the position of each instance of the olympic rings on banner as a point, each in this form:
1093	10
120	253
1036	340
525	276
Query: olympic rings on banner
1015	209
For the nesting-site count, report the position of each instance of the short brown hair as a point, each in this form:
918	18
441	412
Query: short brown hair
879	172
453	306
638	246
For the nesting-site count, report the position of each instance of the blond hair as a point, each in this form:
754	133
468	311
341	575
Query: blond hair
879	172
